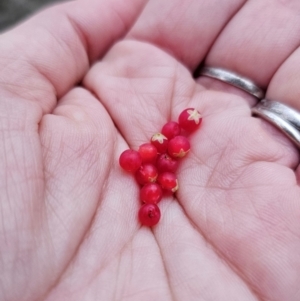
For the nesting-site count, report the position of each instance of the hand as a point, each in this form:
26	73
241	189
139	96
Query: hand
69	228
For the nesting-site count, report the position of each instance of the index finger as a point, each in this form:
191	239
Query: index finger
186	29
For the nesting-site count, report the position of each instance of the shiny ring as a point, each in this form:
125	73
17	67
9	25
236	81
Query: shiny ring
286	119
233	79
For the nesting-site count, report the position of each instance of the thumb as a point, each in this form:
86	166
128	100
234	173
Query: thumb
52	51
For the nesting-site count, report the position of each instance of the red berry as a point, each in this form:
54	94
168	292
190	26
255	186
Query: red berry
148	152
160	142
130	160
171	129
168	181
147	173
149	215
151	193
190	119
178	147
166	163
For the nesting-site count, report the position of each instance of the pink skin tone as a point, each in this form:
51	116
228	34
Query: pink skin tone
232	231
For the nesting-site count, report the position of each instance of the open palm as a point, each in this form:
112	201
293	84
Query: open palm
68	227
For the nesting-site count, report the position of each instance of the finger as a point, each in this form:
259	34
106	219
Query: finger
73	141
78	142
44	57
148	97
284	86
139	111
22	190
135	272
258	39
186	29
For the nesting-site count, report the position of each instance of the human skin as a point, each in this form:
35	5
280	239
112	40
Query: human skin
69	228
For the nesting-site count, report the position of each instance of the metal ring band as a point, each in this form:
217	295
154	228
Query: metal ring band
233	79
286	119
284	111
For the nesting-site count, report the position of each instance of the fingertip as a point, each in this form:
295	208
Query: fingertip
49	53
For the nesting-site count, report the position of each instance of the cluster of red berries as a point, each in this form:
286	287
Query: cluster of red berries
155	163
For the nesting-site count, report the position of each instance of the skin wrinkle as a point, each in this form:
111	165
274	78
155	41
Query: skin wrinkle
73	258
130	271
172	91
81	153
67	49
162	40
39	73
260	219
86	235
211	247
12	89
79	244
142	293
76	31
236	12
81	35
16	168
224	259
125	27
117	278
217	56
6	194
140	122
103	266
173	296
214	169
30	96
273	86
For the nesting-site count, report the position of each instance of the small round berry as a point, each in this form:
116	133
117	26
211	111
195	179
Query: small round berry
178	147
171	129
149	215
130	160
151	193
147	173
168	181
148	152
160	142
166	163
190	119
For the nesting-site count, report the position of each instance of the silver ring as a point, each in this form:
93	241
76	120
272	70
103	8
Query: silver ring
233	79
286	119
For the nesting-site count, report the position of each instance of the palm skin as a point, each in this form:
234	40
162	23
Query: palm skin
68	213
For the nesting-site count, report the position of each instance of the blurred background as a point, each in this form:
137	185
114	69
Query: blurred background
12	11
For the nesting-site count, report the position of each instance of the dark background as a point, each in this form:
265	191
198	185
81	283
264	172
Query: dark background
12	11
